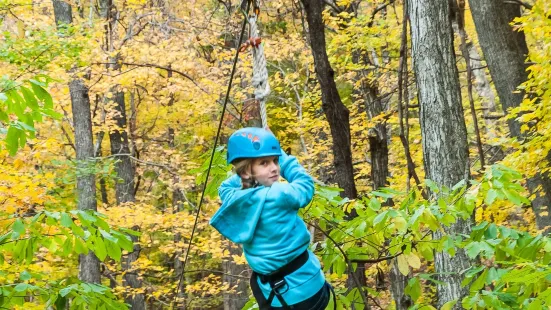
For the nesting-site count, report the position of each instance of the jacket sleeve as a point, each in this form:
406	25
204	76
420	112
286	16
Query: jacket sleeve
299	191
228	188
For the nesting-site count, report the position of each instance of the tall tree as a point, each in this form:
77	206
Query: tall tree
443	130
505	51
89	270
338	117
118	138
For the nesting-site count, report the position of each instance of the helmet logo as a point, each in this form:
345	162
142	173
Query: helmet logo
256	145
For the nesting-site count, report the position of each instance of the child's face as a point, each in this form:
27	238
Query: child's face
265	170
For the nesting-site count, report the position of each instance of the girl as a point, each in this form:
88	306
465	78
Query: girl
261	214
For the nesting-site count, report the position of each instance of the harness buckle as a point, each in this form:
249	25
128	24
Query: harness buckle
279	284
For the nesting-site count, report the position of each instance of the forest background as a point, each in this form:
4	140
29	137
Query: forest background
426	125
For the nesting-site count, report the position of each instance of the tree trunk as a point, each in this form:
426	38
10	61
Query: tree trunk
89	270
505	50
337	116
62	12
443	130
124	188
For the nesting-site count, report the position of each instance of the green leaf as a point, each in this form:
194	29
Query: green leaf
25	275
67	246
21	287
77	230
66	220
12	139
102	224
473	249
491	231
535	305
29	97
124	241
113	250
42	94
413	288
479	282
18	226
80	247
64	292
432	186
99	249
60	302
380	218
491	195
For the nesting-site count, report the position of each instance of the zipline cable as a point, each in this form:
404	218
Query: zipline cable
213	148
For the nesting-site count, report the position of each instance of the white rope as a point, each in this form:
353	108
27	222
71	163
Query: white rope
260	73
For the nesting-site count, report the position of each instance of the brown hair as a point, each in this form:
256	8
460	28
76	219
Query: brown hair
244	165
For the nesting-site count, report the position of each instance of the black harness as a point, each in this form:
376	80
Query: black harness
277	282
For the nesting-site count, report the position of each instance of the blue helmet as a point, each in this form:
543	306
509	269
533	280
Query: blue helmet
252	142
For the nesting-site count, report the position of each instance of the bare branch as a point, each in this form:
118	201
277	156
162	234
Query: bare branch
519	2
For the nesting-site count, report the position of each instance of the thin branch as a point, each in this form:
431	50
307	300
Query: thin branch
332	5
377	260
402	72
459	9
377	10
147	65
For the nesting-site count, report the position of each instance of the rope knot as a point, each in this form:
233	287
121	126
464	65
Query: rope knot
254	42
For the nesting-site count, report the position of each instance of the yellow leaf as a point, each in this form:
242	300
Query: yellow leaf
400	223
414	261
403	265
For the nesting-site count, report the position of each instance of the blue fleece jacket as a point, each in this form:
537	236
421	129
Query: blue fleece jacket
265	221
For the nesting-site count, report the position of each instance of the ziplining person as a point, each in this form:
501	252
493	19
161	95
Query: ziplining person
261	214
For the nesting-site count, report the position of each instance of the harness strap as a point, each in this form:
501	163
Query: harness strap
286	270
277	281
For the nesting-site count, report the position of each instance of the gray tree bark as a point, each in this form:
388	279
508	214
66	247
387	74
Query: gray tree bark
443	130
505	51
124	189
88	269
63	12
